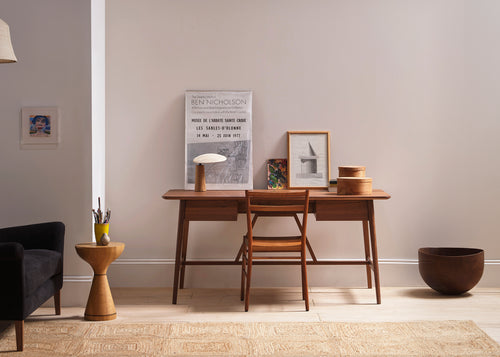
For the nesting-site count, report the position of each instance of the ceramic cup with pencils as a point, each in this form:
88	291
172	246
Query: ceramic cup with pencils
99	230
101	223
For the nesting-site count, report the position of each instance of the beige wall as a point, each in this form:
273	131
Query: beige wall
51	39
407	88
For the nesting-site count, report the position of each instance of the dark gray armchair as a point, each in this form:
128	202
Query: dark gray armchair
31	271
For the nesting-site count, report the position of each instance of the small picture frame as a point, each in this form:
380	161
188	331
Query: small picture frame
39	125
308	159
277	174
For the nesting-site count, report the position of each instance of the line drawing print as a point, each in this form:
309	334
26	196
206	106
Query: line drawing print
309	164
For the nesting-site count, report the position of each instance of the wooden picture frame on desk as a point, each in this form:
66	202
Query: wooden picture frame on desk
308	159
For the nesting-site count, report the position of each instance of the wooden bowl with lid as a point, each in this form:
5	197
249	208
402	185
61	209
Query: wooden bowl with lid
354	185
352	171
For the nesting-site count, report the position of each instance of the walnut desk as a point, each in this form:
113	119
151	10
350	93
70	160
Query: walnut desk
226	205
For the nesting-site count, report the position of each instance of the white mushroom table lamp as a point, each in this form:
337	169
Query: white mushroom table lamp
199	181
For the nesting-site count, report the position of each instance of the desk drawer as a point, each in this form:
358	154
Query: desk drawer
341	211
211	210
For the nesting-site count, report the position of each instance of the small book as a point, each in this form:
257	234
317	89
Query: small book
277	174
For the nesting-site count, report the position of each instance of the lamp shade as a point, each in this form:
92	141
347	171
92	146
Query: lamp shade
209	158
6	51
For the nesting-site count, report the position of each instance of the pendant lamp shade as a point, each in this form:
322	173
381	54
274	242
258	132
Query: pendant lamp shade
6	51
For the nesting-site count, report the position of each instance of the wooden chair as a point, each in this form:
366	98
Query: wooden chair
280	203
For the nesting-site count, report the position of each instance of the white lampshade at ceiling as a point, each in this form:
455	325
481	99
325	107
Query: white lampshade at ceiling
6	51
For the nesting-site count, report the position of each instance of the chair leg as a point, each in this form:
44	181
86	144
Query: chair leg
249	277
305	292
20	334
243	271
57	302
242	289
302	281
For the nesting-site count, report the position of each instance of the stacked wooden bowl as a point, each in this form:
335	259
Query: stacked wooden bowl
352	180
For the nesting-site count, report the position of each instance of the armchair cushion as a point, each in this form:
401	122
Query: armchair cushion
39	266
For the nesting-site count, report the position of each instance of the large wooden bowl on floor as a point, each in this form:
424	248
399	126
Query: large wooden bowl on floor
451	271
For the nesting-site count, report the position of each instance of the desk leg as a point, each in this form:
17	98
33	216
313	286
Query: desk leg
366	236
240	252
373	236
178	249
185	233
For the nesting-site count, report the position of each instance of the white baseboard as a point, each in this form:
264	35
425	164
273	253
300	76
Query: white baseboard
159	273
75	291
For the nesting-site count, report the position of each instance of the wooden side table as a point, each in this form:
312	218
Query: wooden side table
100	305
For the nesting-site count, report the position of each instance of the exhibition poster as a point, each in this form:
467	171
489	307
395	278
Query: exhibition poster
220	122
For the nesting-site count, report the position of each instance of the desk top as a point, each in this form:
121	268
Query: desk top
314	195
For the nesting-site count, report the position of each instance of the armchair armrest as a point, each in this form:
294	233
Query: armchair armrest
12	280
36	236
11	251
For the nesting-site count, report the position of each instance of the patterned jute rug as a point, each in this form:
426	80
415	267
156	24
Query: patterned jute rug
422	338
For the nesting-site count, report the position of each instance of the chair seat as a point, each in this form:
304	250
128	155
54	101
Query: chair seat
277	244
39	266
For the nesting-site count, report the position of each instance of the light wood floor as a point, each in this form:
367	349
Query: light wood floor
284	304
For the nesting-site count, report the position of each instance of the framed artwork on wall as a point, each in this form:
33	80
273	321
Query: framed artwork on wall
39	125
308	159
220	122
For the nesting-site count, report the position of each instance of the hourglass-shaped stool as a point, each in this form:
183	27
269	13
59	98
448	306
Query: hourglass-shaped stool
100	305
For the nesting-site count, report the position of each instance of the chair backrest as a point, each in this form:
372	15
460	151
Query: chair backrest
274	203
